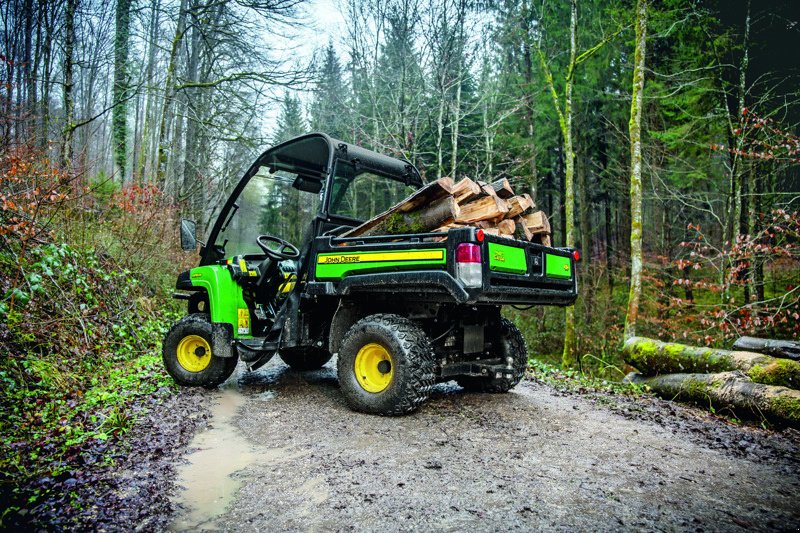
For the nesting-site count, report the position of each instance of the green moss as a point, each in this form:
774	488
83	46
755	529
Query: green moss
786	407
779	372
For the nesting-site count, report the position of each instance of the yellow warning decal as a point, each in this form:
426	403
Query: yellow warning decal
337	259
243	327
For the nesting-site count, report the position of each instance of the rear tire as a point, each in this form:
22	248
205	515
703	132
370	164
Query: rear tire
305	358
187	356
386	365
512	344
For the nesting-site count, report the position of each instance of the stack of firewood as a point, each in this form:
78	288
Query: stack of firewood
762	384
443	205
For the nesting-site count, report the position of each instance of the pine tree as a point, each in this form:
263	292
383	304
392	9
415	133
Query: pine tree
328	110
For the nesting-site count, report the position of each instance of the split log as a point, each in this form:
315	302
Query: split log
492	231
466	190
507	227
484	208
537	222
425	196
488	190
521	231
727	390
448	227
655	357
518	205
503	188
775	348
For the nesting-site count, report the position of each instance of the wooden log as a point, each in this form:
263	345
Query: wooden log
492	231
465	191
727	390
448	227
424	219
507	227
537	222
488	190
425	196
545	240
484	208
775	348
653	357
518	205
521	231
503	188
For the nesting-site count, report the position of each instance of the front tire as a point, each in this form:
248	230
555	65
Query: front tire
306	358
512	344
386	365
186	352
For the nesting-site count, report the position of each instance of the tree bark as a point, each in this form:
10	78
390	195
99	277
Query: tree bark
69	103
163	131
655	357
728	390
635	129
119	114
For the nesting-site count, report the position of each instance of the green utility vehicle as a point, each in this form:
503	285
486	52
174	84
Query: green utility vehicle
401	312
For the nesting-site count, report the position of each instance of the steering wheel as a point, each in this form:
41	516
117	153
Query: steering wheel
283	251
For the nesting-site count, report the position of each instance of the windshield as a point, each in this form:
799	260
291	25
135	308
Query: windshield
267	205
361	194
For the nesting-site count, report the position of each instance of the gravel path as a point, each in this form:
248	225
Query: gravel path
532	459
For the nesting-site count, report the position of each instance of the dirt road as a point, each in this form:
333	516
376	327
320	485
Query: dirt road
531	459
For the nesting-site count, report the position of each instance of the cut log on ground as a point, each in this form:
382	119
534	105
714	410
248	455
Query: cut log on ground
728	390
775	348
425	196
652	357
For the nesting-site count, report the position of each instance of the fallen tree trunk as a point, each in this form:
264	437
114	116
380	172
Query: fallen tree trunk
775	348
727	390
654	357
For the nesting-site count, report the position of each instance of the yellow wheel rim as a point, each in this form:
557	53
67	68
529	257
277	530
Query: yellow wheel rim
374	368
194	353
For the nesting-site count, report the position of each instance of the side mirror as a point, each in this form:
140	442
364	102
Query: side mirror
188	234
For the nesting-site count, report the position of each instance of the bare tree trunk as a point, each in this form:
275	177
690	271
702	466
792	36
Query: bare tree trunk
161	156
69	104
635	129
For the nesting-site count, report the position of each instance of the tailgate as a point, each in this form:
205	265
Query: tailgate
528	273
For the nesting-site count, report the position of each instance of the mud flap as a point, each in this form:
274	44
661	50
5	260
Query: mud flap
222	339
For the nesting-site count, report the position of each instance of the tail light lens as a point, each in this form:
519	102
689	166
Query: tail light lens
469	269
468	253
576	255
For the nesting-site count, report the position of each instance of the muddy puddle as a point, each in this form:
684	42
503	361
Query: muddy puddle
208	481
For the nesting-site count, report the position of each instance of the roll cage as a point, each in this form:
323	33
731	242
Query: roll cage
312	158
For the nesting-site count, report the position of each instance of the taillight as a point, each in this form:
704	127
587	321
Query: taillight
576	255
469	269
468	253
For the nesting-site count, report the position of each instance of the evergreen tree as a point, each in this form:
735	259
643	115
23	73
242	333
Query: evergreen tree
328	110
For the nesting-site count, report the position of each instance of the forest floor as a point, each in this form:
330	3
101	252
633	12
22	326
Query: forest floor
276	450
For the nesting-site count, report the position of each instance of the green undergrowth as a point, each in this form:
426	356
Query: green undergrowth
80	338
573	380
